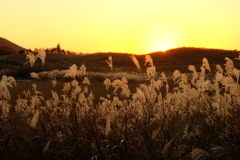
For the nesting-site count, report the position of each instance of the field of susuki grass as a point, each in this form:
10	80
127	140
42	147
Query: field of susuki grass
149	114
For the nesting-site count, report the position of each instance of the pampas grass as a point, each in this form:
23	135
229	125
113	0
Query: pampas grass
135	61
199	154
31	58
34	75
108	125
110	62
175	116
35	118
42	55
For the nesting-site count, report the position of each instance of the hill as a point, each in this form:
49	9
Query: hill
9	47
168	61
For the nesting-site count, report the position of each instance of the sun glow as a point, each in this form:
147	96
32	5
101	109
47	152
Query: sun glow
162	45
162	38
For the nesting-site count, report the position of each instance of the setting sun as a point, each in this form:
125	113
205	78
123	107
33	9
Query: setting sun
162	45
162	38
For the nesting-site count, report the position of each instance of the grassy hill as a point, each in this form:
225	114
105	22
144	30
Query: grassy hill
178	58
4	43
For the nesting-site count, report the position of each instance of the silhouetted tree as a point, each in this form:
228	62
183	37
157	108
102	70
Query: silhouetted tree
58	48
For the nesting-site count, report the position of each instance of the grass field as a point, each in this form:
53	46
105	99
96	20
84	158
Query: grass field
167	62
192	115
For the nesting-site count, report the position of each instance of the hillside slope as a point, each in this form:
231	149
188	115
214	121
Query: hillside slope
168	61
6	43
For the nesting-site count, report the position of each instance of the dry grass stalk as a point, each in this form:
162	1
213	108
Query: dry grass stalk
34	120
82	70
86	81
32	58
108	125
205	64
46	147
54	82
107	82
167	146
199	154
194	74
6	81
4	104
34	75
110	62
148	60
135	61
72	72
42	55
151	72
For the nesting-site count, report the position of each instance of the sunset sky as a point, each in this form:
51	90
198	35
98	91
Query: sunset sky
131	26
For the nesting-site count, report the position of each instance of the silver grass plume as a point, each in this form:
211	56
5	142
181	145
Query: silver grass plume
151	72
110	62
108	125
34	75
205	66
21	104
176	76
72	72
30	58
42	55
135	61
107	82
219	73
86	81
46	147
5	108
66	87
82	70
148	60
229	67
199	154
116	84
54	82
163	78
34	120
6	81
194	74
151	69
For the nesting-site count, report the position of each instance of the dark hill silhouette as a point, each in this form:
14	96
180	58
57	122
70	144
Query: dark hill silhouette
7	46
168	61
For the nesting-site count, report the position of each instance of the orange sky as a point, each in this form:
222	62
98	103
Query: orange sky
132	26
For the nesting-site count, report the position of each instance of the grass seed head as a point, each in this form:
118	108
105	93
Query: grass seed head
151	72
107	82
205	64
34	120
110	62
86	81
30	57
34	75
148	61
135	61
42	55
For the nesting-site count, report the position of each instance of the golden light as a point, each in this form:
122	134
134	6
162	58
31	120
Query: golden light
162	38
161	44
